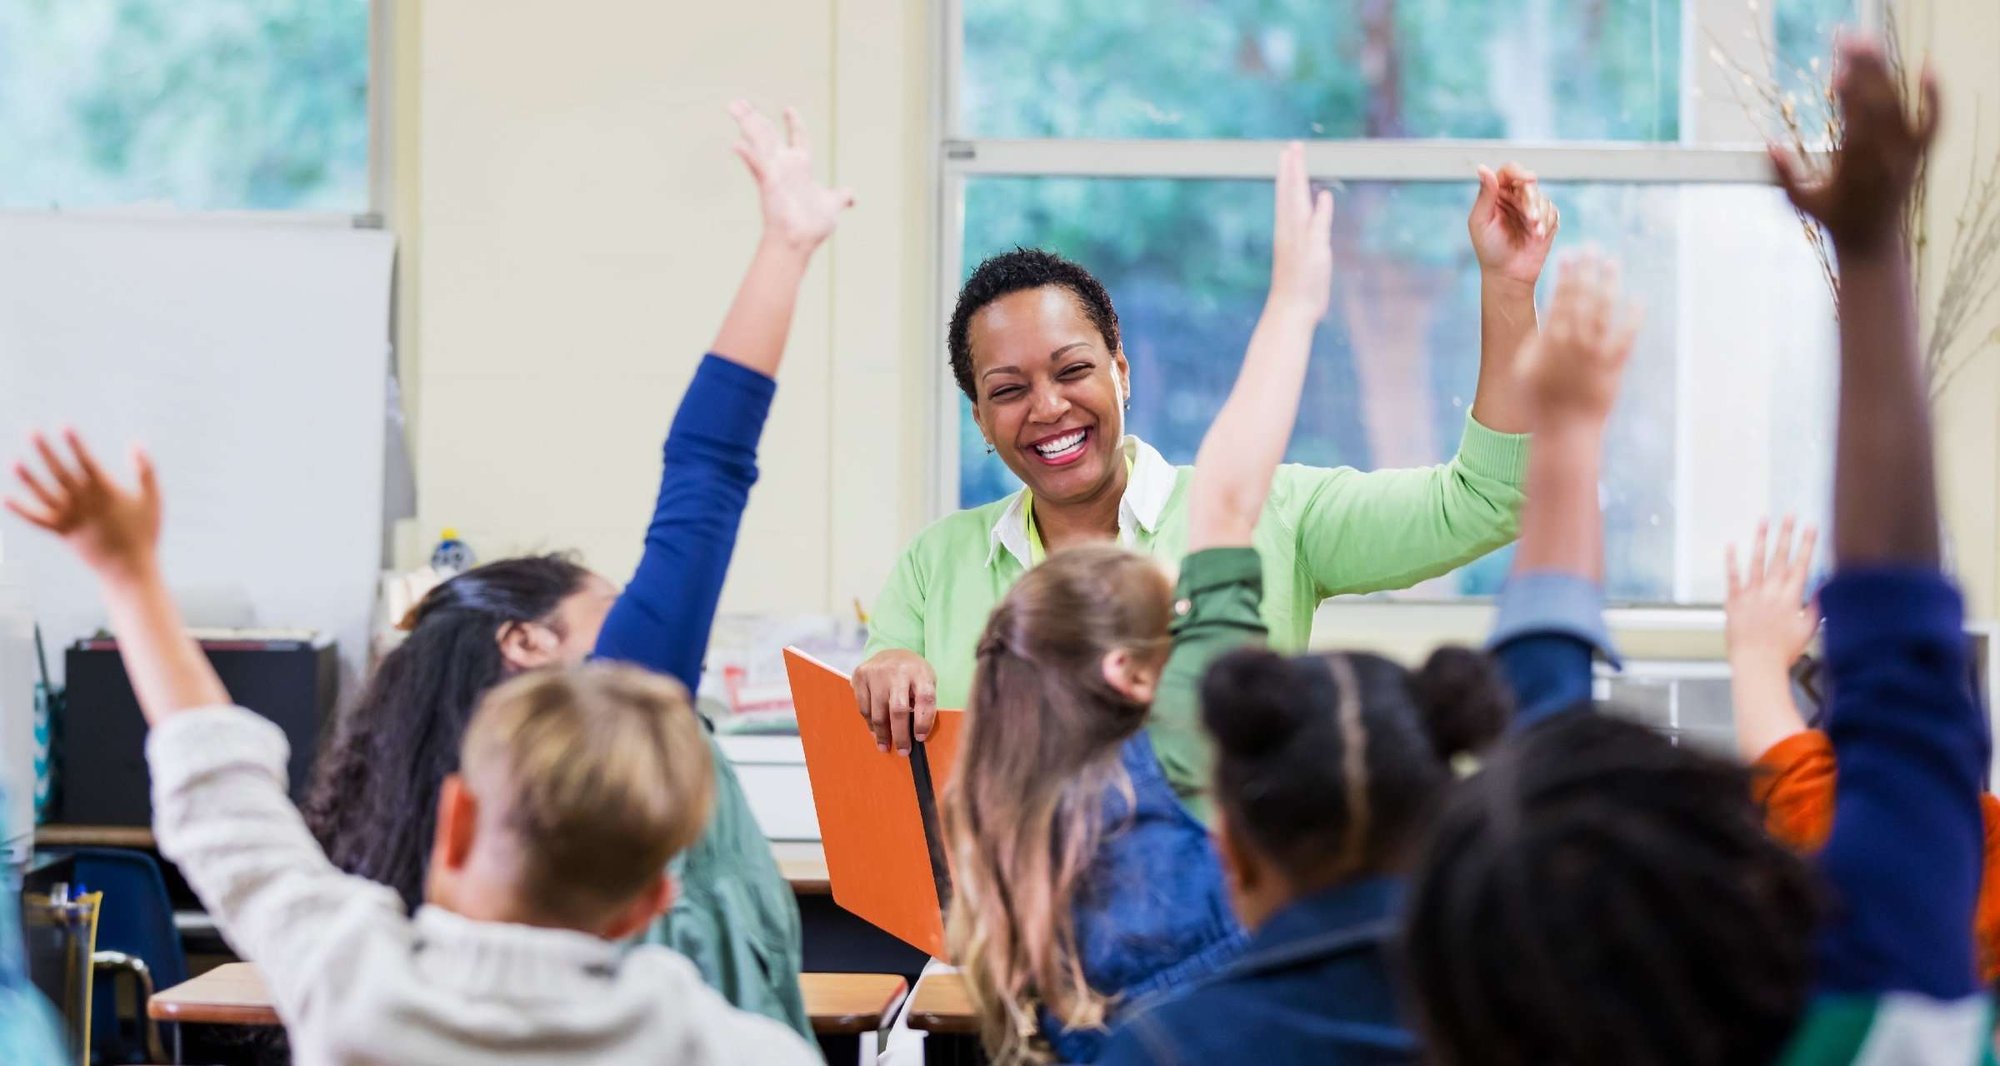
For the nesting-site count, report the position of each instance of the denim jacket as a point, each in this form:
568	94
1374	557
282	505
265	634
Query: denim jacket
1312	986
1154	913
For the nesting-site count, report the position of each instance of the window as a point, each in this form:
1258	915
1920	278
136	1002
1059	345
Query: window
1137	136
255	104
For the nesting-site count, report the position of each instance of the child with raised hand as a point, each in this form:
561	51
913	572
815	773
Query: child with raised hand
1597	894
370	804
1327	769
574	791
1769	626
1082	873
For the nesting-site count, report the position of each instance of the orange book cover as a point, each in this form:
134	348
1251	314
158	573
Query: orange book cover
878	815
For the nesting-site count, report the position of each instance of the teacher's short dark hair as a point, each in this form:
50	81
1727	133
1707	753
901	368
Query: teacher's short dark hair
1017	271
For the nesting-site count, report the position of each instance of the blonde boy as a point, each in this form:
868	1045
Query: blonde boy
575	790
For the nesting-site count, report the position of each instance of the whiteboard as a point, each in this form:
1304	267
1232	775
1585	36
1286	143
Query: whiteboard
251	358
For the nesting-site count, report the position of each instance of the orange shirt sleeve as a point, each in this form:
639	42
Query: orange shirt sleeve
1986	918
1794	784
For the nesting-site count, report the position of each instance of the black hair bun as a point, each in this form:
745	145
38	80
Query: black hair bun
1250	703
1464	702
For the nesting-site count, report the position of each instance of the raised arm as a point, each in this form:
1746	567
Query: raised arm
218	772
799	214
1769	624
1551	614
1904	856
1512	226
1219	592
1389	529
115	531
1243	446
663	619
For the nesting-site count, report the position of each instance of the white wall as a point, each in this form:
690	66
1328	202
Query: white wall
574	225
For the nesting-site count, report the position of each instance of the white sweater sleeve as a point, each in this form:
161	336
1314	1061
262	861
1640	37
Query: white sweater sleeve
220	812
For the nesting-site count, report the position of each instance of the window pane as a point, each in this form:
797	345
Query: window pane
258	105
1802	64
1725	412
1530	69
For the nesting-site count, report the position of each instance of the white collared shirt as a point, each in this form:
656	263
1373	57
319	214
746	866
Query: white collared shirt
1146	492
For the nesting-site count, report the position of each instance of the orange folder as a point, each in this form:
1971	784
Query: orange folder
878	812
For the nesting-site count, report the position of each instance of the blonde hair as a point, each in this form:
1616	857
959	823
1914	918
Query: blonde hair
1044	728
601	773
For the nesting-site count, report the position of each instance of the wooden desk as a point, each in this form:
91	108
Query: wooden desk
941	1009
943	1006
95	836
848	1009
231	994
844	1007
802	862
804	865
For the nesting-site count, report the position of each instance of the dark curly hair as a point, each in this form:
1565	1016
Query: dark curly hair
1598	894
1018	271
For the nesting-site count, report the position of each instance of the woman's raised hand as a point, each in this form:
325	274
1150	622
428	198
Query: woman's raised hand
1301	238
1513	225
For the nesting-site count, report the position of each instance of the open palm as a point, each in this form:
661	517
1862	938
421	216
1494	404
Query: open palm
798	210
113	529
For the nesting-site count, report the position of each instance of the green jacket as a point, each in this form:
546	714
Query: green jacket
1216	611
1324	532
734	915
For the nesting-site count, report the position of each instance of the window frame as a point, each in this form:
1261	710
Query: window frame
1720	145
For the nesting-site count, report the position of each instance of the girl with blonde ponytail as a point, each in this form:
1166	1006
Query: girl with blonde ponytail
1082	870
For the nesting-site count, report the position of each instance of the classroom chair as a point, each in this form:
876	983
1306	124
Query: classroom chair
58	936
137	946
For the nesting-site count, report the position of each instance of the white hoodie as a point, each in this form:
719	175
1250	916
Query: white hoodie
357	981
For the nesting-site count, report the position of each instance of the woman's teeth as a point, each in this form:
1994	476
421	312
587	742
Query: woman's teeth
1061	446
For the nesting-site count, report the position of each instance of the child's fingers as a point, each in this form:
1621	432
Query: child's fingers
749	157
34	485
1322	218
756	129
1733	572
50	459
1293	191
149	482
795	128
1802	562
1790	173
1625	335
40	518
1758	554
1781	550
86	463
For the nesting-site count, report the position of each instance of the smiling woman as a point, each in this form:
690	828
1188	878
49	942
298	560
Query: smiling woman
1035	347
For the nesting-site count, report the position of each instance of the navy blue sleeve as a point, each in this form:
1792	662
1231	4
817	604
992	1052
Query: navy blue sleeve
1548	634
662	619
1905	854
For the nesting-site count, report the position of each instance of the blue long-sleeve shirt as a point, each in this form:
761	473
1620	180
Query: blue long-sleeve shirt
1895	977
662	619
735	916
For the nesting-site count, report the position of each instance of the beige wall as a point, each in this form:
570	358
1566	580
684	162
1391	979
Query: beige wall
1963	39
574	225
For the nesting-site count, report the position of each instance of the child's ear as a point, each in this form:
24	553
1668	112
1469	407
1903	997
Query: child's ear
1132	676
652	901
528	645
458	818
